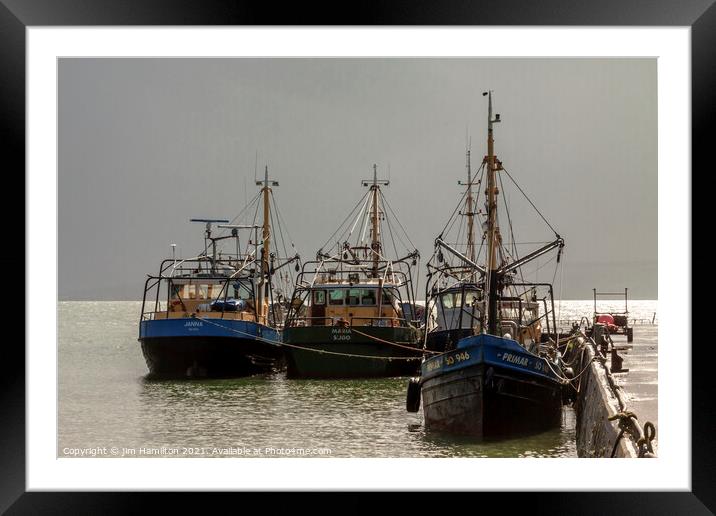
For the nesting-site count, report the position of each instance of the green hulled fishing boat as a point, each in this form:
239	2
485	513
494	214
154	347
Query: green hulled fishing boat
353	311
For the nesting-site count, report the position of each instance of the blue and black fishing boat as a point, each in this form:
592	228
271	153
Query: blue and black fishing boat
491	366
220	313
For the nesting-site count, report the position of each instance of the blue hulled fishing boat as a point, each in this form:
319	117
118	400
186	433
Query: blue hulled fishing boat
491	366
219	314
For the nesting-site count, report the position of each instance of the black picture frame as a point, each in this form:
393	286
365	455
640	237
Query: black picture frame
16	15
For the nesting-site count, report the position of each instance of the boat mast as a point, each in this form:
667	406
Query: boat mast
492	230
266	245
375	243
469	212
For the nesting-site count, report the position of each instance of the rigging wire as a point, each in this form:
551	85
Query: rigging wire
509	223
243	210
283	242
530	201
390	233
385	202
361	214
451	219
365	217
282	219
330	239
402	242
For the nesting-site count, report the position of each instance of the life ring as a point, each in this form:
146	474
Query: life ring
341	323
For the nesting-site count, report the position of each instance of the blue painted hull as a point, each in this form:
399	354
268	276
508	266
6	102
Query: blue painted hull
489	387
189	347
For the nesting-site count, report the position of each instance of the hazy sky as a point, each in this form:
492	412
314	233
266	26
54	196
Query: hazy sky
145	144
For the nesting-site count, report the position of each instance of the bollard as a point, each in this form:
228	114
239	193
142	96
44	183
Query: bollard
617	362
599	335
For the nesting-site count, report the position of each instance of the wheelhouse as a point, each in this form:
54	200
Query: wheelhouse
340	297
456	308
193	288
522	316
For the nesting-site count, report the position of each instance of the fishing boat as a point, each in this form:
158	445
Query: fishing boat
352	313
219	314
491	366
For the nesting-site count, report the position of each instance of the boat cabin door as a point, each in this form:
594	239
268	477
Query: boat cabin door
318	308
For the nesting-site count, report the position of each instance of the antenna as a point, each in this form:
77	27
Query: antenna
207	236
266	182
375	181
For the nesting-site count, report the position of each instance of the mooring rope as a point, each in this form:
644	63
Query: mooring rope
417	350
565	379
303	348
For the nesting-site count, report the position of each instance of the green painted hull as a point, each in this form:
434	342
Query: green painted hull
302	363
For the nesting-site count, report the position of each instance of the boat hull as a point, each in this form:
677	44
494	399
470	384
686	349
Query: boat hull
191	348
489	388
302	363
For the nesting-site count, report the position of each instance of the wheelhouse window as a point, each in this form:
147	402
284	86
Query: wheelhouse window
387	297
367	297
529	315
472	297
361	297
353	296
512	313
335	296
242	290
319	297
450	300
216	290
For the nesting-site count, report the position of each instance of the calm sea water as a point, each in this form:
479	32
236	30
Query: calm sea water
107	408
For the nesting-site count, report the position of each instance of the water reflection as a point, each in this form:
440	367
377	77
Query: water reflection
106	400
353	418
557	442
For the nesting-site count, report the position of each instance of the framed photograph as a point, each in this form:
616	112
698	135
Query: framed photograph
271	251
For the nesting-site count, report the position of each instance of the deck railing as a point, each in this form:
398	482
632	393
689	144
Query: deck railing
350	321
